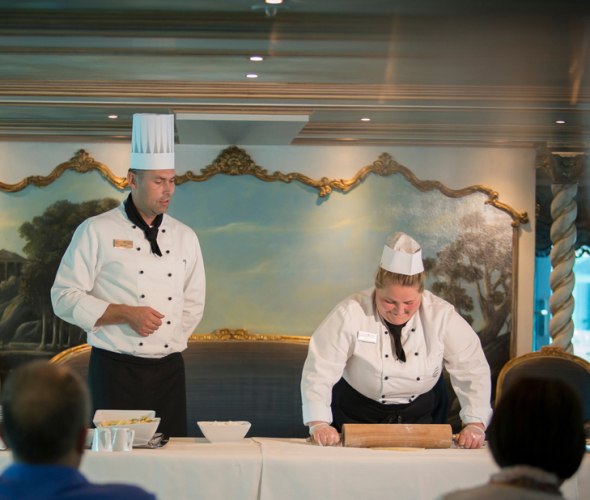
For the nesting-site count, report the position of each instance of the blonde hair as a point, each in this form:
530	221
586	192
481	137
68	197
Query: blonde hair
385	278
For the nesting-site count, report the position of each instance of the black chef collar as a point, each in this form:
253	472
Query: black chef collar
396	335
151	233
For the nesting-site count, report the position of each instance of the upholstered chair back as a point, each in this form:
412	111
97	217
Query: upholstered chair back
549	362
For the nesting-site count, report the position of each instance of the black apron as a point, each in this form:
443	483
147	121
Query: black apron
351	407
124	382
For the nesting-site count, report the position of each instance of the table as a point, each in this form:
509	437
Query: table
285	469
292	467
186	468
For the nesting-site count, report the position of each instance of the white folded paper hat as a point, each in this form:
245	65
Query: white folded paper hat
402	255
152	142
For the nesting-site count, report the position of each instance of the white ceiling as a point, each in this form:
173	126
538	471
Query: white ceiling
457	72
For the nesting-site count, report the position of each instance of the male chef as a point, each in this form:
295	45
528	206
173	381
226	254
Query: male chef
133	279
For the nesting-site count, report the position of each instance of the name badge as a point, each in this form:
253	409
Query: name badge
123	243
367	337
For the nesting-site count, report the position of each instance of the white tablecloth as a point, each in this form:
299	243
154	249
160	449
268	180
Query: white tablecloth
186	468
293	466
284	469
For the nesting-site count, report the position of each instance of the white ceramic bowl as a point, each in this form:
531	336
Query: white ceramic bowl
224	430
144	431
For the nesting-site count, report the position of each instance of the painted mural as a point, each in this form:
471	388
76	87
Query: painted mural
278	254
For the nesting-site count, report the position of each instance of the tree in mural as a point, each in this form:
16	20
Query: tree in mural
47	237
479	259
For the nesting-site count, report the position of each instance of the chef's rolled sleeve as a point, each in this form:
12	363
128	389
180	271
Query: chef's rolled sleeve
194	290
329	349
469	370
70	295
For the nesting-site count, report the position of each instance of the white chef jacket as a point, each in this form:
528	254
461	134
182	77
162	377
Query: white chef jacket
353	343
109	261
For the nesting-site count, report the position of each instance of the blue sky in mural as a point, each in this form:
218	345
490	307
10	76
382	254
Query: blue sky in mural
277	257
280	258
22	206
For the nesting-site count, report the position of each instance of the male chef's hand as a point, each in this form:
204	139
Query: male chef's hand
323	434
144	320
471	436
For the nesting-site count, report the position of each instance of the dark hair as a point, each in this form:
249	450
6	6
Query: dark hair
135	171
539	422
45	407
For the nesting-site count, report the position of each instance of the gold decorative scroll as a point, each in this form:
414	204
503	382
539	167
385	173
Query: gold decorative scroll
81	162
235	161
241	335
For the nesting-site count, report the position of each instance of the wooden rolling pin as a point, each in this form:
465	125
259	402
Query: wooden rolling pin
397	435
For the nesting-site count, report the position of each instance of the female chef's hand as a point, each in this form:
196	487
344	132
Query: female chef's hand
472	435
323	434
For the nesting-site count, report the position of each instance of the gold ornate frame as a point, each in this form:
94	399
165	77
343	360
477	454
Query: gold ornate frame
241	335
81	162
235	161
220	335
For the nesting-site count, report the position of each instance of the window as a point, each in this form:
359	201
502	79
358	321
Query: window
581	294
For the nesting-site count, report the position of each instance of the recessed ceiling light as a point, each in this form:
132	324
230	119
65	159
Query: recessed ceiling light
560	122
251	75
273	2
113	117
365	119
256	58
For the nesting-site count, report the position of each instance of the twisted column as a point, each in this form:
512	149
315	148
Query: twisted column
565	170
563	233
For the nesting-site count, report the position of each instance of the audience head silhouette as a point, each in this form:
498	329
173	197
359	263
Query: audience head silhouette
537	438
538	422
46	409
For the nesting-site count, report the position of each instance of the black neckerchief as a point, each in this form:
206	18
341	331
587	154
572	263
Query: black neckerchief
396	335
151	233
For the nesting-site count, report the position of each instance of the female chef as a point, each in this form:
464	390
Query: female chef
379	354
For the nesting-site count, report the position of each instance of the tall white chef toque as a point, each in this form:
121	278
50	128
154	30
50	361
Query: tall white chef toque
402	255
152	142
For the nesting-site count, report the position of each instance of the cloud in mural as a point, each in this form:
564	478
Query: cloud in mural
256	269
239	227
6	222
